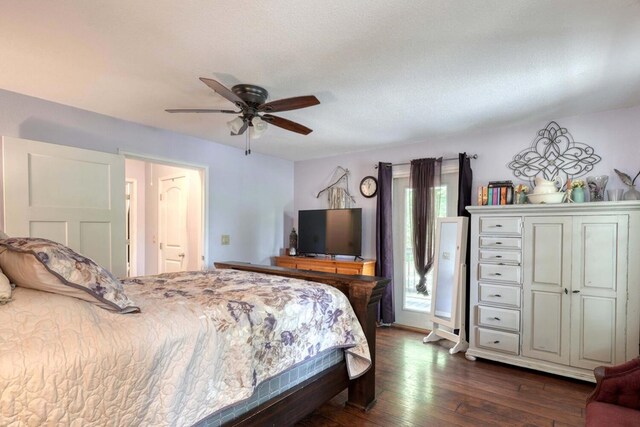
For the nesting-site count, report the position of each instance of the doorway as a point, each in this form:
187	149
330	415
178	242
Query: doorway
131	225
170	217
411	307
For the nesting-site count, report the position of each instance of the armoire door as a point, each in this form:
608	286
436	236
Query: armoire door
546	284
69	195
599	289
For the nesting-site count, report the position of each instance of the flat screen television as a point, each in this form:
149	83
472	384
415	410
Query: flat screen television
330	231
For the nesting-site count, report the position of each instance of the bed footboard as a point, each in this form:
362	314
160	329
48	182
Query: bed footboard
364	293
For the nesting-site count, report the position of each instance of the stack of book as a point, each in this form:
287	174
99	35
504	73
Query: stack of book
496	193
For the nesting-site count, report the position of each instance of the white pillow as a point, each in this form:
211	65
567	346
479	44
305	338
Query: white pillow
5	289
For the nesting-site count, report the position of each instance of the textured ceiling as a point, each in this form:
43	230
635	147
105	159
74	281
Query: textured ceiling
386	72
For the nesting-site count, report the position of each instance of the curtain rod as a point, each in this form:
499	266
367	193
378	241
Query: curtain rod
472	156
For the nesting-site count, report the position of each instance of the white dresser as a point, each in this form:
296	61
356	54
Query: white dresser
555	287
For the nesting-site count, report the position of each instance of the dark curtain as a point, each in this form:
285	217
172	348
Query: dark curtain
465	181
424	177
384	240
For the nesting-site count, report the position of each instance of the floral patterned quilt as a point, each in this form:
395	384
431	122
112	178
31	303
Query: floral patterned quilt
202	342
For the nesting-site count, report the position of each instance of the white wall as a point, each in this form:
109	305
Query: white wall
615	136
250	197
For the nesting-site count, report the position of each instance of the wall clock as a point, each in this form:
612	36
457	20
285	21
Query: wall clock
368	186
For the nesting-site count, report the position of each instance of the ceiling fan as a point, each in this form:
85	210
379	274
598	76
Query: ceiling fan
254	110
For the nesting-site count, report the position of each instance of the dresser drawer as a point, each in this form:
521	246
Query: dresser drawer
497	294
500	242
509	257
496	317
286	264
501	225
498	340
349	270
315	267
499	273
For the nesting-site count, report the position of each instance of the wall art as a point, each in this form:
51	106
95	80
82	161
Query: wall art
554	154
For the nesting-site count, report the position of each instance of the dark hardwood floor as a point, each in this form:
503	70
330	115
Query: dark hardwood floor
423	385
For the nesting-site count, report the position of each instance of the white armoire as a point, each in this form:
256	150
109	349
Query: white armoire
555	287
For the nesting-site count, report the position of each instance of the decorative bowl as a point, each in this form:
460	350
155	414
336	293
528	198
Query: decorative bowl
548	198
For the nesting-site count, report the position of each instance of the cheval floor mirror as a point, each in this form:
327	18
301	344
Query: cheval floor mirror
449	276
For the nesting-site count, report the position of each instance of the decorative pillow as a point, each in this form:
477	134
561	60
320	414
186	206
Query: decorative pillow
5	289
49	266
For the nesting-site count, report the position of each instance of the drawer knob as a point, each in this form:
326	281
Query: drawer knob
499	225
501	263
498	243
497	274
498	256
496	342
575	292
496	318
496	295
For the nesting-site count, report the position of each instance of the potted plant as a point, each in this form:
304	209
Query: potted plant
521	191
577	190
631	193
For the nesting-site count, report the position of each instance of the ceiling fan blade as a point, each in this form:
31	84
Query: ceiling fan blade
200	110
220	89
289	104
286	124
242	129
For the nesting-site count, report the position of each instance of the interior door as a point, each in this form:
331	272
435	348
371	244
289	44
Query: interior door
547	283
72	196
173	232
599	289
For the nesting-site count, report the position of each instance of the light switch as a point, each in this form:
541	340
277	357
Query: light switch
446	255
225	239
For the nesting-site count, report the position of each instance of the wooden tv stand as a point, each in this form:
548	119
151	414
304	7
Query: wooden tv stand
365	267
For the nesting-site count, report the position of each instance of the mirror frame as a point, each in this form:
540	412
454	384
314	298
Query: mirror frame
461	249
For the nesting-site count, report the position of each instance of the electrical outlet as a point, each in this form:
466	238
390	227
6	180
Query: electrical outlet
225	239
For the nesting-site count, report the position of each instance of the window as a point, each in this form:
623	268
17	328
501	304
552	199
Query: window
412	307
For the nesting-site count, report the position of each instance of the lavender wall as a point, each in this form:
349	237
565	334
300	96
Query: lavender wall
615	135
250	198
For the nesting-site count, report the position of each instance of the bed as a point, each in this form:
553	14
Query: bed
193	345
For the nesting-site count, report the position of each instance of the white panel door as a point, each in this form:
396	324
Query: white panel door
69	195
547	279
599	288
174	196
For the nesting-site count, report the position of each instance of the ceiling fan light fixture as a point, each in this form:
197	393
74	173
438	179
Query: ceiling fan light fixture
235	125
259	127
251	100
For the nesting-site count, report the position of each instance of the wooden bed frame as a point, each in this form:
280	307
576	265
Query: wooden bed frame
364	293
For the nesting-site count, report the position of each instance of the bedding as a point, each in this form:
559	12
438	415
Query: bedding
5	288
49	266
203	341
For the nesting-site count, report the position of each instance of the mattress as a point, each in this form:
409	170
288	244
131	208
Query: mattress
203	342
275	386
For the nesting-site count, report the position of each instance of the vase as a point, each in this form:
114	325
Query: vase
293	242
577	195
597	184
522	198
631	193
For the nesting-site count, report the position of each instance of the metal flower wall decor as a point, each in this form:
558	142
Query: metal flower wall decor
554	153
